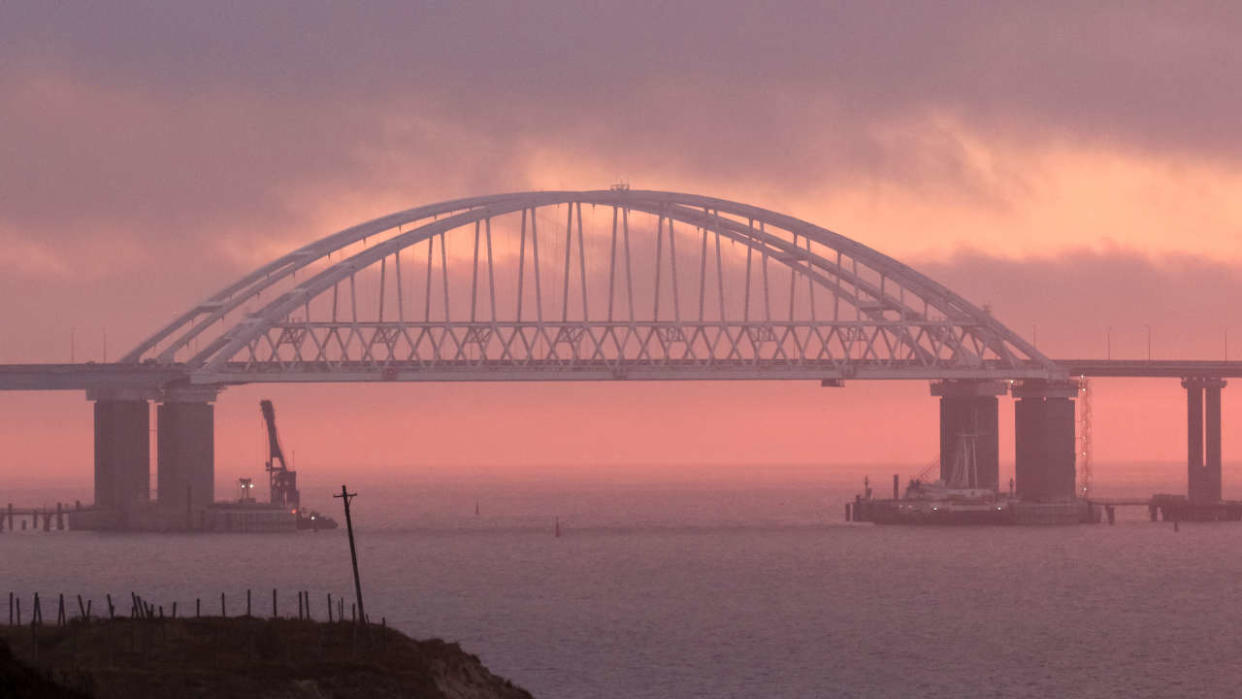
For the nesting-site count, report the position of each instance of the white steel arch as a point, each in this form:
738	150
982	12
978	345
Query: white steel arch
605	301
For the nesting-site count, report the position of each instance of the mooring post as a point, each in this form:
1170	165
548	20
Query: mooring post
275	613
60	610
248	602
345	497
81	607
111	609
329	607
198	609
222	605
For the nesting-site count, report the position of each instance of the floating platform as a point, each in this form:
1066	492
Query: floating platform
999	512
222	517
262	518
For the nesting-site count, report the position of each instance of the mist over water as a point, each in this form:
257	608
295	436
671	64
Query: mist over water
740	584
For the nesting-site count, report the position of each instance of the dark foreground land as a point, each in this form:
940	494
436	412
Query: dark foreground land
237	657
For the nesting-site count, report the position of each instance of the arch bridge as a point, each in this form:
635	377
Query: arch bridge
591	285
572	285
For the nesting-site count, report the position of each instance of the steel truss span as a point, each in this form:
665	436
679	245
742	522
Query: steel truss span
591	285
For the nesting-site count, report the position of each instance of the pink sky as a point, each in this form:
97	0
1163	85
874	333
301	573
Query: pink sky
1075	169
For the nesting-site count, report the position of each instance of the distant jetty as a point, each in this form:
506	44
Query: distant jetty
237	656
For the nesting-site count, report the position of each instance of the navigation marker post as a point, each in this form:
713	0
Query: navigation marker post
345	497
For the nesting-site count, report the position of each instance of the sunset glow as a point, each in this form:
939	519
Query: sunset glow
1086	196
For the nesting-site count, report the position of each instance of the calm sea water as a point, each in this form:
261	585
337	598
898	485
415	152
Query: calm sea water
726	590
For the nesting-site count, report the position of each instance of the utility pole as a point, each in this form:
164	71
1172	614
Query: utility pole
345	497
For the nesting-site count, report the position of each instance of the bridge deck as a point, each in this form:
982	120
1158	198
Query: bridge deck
1152	368
91	375
151	377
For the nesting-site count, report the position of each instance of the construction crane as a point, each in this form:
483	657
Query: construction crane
1084	438
282	481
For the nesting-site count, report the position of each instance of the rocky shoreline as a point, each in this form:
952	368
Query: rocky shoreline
237	657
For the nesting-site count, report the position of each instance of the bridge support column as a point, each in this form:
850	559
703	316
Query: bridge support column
1203	453
186	451
968	420
1044	440
122	449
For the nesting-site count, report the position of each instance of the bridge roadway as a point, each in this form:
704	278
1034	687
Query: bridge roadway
154	377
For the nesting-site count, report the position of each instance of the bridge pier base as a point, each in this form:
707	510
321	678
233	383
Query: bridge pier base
968	419
1044	440
186	452
122	449
1203	474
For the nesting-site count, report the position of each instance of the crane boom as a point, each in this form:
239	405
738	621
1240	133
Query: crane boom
282	481
274	452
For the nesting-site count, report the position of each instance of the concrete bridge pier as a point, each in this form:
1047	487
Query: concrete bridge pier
968	419
122	448
1203	477
185	449
1044	440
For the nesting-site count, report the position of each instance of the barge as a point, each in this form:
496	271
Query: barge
962	501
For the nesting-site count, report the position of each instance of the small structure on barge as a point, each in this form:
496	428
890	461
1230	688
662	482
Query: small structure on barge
964	498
